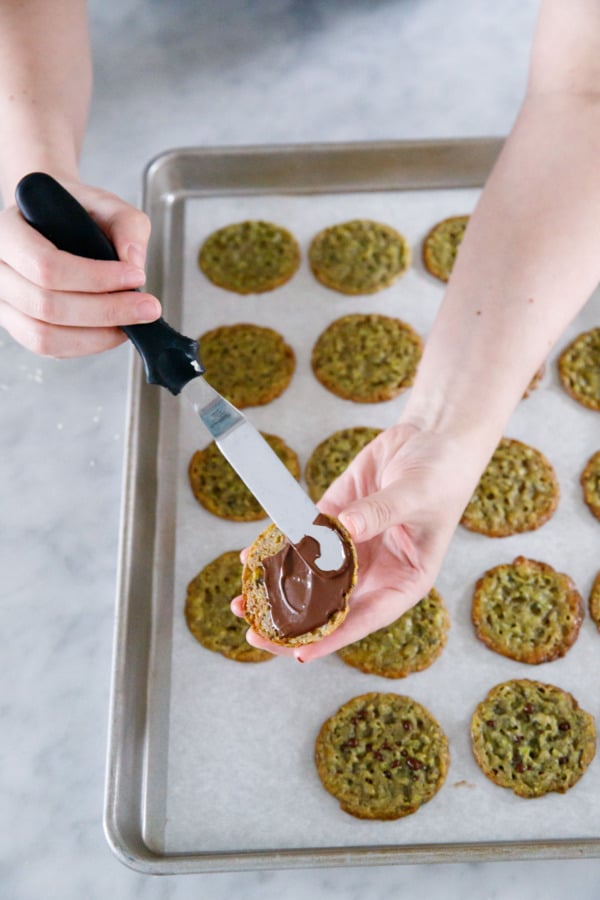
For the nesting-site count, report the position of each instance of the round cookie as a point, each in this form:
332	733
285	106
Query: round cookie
527	611
410	644
249	257
517	492
594	603
358	257
208	613
440	246
579	368
366	358
306	620
590	483
248	364
382	756
532	738
220	490
333	456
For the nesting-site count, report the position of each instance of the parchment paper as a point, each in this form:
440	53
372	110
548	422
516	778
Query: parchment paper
237	759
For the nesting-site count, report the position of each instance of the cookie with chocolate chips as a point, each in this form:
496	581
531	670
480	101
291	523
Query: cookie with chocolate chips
382	756
249	257
208	613
527	611
359	256
532	738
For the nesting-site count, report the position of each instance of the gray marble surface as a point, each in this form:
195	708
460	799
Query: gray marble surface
170	74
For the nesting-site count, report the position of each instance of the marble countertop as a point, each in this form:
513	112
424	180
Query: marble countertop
175	74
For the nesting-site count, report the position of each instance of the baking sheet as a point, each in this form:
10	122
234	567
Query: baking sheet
227	749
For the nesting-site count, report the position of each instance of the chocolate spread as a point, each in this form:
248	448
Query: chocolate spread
302	596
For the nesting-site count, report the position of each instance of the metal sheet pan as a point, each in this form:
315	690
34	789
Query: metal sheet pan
146	691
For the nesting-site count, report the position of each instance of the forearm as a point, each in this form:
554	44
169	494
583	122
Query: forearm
45	87
529	259
528	263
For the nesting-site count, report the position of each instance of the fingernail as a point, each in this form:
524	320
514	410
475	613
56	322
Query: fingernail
147	311
355	523
133	277
136	256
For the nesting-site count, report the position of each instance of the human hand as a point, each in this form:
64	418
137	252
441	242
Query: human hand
61	305
401	500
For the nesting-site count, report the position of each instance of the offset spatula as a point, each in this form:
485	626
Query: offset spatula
171	361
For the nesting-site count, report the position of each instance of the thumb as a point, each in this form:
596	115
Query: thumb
369	516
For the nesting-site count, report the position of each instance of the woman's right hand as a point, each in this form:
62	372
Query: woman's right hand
59	305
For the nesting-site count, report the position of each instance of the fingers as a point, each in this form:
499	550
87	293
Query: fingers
37	260
54	340
370	516
373	611
83	309
62	305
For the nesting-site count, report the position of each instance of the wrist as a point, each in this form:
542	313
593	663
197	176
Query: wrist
55	154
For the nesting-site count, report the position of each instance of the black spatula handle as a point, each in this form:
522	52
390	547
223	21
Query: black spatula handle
170	358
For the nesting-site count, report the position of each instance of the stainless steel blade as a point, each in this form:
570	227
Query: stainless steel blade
261	470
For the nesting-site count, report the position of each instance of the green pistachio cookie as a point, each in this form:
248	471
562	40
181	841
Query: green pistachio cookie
527	611
358	257
333	456
410	644
382	756
594	603
440	246
590	483
532	738
579	368
208	613
517	492
366	358
248	364
220	490
249	257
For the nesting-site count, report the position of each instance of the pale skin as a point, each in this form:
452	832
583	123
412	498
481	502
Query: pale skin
528	263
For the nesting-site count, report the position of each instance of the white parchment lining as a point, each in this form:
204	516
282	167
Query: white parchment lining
236	765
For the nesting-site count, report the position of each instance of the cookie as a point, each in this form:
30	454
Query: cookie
248	364
333	456
219	489
594	603
517	492
382	756
410	644
590	483
366	358
532	738
249	257
358	257
286	601
579	368
208	613
441	244
537	377
527	611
